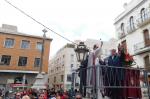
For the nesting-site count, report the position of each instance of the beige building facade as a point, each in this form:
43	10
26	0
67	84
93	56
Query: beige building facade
20	57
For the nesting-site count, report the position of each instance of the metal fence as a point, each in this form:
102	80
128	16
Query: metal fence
123	81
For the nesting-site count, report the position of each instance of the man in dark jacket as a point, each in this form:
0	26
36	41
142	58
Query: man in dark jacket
113	74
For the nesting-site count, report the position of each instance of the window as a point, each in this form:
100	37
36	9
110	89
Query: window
57	68
69	78
62	66
147	61
54	79
5	59
25	44
39	46
71	65
143	14
37	62
146	37
9	43
22	61
20	80
131	23
122	27
48	80
63	56
62	78
72	58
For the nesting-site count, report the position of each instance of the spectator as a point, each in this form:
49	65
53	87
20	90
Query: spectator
58	95
18	96
78	96
42	96
26	97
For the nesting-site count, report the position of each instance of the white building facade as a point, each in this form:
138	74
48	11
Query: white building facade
133	30
132	27
61	67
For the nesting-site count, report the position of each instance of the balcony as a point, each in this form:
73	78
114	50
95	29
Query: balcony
141	48
145	20
130	29
121	35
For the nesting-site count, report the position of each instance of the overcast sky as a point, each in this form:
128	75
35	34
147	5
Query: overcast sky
74	19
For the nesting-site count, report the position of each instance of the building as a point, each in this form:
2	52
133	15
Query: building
61	67
132	27
20	57
65	62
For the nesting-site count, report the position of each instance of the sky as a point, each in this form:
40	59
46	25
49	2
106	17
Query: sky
74	19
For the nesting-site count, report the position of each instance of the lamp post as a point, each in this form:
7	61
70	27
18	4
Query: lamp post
81	53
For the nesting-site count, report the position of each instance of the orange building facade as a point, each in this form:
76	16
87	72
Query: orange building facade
20	54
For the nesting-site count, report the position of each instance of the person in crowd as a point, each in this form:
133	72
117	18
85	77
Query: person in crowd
78	96
34	94
42	96
18	96
26	97
66	95
53	96
58	95
61	95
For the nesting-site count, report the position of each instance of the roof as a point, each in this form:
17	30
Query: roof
68	45
12	30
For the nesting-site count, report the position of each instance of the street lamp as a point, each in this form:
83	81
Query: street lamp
81	53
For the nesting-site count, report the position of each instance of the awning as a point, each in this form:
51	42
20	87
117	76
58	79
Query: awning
19	71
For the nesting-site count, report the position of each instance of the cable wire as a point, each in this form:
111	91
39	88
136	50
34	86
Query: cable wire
38	22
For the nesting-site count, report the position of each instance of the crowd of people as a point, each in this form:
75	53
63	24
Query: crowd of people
43	94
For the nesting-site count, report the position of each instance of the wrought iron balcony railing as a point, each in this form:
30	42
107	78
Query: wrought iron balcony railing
130	29
143	19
